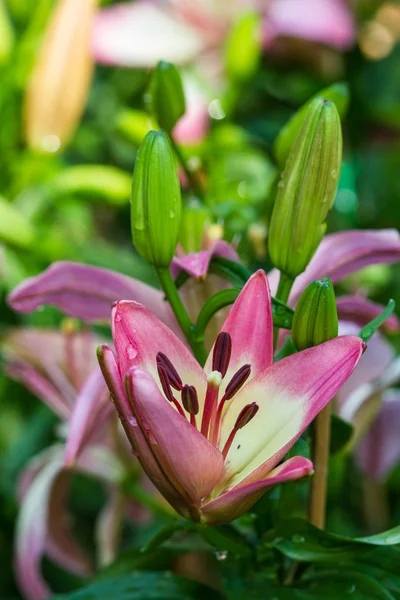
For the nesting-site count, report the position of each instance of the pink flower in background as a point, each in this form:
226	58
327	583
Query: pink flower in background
211	440
61	370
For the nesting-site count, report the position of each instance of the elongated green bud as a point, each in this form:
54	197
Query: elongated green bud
315	319
307	189
337	93
167	98
243	48
156	200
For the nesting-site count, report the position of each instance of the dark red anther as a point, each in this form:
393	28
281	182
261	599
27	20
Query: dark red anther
246	415
222	353
190	400
237	381
165	382
171	372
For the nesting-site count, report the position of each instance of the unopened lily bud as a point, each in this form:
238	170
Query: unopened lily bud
315	319
156	201
60	80
167	98
307	190
337	93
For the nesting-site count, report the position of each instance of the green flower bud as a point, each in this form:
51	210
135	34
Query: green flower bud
315	319
337	93
166	95
194	219
307	190
156	200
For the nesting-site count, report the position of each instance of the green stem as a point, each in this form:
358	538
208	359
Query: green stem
191	177
173	297
284	287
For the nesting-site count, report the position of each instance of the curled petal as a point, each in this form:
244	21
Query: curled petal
290	393
92	407
196	263
250	326
360	310
42	527
186	455
140	34
236	502
85	292
379	451
140	445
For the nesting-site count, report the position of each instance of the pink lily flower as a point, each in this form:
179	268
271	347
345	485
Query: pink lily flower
61	370
211	440
87	292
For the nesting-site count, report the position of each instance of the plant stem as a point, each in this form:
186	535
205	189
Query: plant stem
376	506
284	287
317	509
173	297
191	177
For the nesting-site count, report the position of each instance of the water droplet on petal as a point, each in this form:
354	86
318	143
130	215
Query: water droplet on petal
132	421
118	317
131	352
152	439
221	555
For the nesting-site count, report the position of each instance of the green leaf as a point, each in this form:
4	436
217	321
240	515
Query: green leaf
143	586
95	182
226	538
368	331
341	433
14	228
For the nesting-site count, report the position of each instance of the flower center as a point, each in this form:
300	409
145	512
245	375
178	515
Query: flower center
213	407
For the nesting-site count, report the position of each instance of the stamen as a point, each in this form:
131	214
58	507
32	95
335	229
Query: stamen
164	380
222	353
172	373
245	416
237	381
190	402
210	403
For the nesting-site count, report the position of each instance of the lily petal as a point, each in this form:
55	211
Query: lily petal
360	310
85	292
37	530
250	326
236	502
290	393
185	453
140	445
196	263
139	336
92	407
139	34
340	254
379	451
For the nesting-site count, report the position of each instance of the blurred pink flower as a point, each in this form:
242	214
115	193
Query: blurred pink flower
61	370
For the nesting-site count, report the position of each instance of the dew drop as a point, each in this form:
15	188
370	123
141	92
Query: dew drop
334	173
172	214
221	555
281	184
351	589
297	538
131	352
152	439
118	317
132	421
